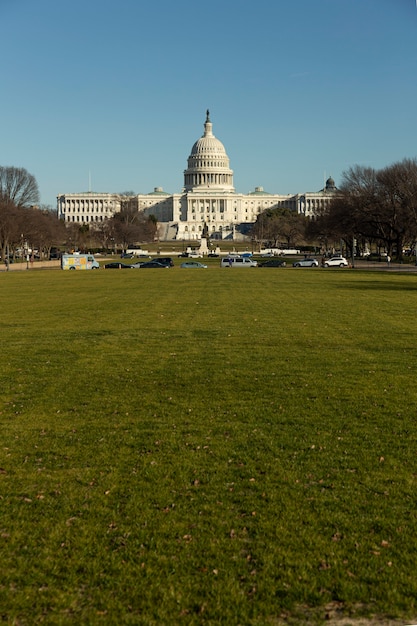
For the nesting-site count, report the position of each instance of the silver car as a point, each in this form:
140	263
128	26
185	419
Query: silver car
306	263
193	265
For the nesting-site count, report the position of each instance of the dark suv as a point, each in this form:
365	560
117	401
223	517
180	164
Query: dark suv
165	260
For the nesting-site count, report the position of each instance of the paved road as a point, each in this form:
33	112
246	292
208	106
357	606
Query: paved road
384	266
361	265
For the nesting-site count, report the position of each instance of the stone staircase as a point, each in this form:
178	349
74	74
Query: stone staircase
168	231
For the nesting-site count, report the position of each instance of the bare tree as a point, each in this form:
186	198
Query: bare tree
104	234
280	224
10	228
18	187
398	190
292	227
129	225
42	229
375	205
18	191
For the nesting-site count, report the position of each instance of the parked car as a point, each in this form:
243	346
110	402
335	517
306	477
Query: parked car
336	261
236	261
127	255
153	264
193	264
273	263
306	263
116	265
191	255
213	255
165	260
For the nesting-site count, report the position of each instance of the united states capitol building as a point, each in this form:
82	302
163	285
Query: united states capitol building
207	201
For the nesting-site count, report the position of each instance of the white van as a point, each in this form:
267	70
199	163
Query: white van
237	261
79	262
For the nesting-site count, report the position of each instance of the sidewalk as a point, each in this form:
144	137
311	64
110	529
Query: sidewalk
36	265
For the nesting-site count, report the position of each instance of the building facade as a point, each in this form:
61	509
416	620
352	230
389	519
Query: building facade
313	203
207	201
88	207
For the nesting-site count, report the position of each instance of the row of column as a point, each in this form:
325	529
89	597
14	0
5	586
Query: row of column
208	179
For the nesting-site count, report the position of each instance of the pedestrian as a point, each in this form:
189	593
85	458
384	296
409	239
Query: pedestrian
388	260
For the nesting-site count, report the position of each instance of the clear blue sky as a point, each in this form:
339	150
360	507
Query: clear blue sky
297	89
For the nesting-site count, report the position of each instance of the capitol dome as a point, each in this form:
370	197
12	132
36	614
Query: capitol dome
208	164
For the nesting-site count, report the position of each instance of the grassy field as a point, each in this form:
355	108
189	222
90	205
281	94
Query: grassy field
207	447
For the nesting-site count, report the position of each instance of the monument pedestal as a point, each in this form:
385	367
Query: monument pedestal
203	249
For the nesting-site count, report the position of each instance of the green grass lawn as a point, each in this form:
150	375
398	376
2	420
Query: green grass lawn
207	447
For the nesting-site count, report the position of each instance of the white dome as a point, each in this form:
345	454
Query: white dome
208	164
208	144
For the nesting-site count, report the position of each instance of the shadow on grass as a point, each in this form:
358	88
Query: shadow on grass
390	285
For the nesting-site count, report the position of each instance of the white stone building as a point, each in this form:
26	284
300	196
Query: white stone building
208	199
313	203
88	207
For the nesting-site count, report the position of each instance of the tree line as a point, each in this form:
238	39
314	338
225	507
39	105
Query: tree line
21	219
376	209
373	209
25	226
279	226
